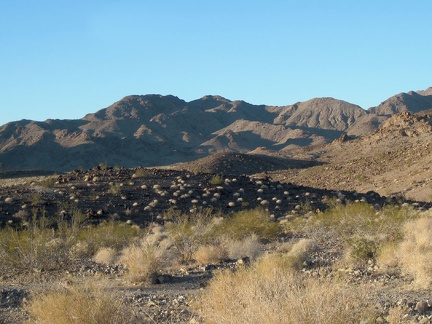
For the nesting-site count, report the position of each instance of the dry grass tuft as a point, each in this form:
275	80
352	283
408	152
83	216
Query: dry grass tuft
208	254
247	247
84	303
271	293
145	258
105	256
415	251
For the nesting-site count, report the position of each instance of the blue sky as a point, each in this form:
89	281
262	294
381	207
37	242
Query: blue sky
63	59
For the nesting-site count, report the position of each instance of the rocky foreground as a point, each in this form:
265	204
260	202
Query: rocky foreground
140	196
143	196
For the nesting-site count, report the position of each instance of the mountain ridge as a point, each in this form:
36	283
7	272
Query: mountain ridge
150	130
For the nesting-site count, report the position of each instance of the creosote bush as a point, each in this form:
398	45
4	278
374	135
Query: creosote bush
244	223
363	229
110	234
38	246
234	232
49	244
216	180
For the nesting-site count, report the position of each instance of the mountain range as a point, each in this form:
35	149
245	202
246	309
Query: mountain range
154	130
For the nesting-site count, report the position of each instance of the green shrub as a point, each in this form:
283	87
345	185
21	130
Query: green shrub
216	180
113	234
190	231
364	229
35	247
248	222
47	244
48	182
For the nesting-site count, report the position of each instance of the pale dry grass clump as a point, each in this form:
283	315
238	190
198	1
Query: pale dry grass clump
247	247
397	314
105	256
208	254
83	303
415	251
146	257
271	292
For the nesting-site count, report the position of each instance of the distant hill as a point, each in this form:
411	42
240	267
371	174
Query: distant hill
411	101
152	130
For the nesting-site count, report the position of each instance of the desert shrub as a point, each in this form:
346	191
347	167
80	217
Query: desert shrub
145	257
142	173
36	247
268	293
190	231
247	247
287	258
48	182
387	257
51	244
362	248
248	222
208	254
110	234
105	255
83	303
114	188
397	314
363	229
216	180
415	251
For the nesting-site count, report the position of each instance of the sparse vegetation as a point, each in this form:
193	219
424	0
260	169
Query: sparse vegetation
142	173
244	223
216	180
48	182
301	265
47	244
271	293
115	188
415	251
364	230
146	257
86	302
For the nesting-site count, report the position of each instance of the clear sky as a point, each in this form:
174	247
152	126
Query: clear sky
63	59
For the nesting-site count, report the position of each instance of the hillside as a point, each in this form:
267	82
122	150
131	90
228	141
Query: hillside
393	160
154	130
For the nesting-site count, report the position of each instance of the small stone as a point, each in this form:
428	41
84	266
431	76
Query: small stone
422	306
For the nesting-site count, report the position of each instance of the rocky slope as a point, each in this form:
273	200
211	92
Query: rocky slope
393	160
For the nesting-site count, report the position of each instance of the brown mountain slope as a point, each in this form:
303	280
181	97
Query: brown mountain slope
412	101
155	130
394	160
322	113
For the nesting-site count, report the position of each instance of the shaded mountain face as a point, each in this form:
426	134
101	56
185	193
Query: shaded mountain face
153	130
